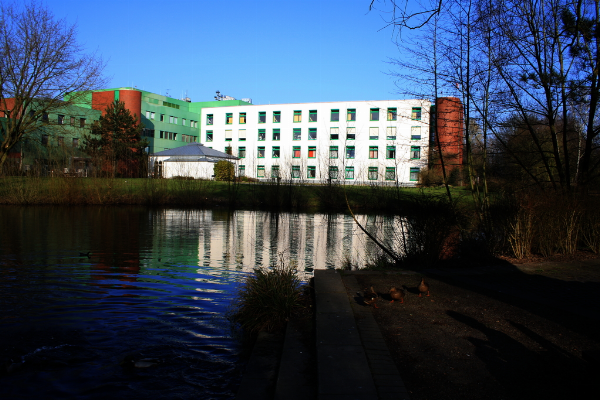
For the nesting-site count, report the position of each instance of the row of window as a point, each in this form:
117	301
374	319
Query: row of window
62	120
334	134
334	116
333	172
390	152
60	140
172	119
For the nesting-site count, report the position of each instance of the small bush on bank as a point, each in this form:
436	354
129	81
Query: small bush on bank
267	299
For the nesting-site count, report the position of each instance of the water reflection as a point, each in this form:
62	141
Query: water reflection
156	283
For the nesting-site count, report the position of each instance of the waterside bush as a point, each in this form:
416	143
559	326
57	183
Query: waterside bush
267	299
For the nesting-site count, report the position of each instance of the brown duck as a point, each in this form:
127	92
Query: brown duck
423	287
397	294
370	297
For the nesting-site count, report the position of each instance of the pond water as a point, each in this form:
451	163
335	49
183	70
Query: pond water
86	292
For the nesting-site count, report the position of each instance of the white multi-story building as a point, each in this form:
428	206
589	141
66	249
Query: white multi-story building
383	141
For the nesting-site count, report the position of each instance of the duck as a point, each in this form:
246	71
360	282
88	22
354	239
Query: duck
370	297
397	294
423	287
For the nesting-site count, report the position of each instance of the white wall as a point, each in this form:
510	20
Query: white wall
361	163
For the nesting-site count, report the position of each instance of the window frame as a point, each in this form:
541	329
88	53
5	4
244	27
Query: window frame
274	150
264	135
351	114
392	114
415	114
333	149
276	117
373	173
312	149
297	131
228	118
312	115
242	152
388	149
353	149
260	152
312	131
242	118
336	112
331	134
415	150
278	131
210	119
262	117
373	152
373	129
374	114
334	168
349	173
258	169
296	172
211	137
387	173
348	130
296	149
414	170
297	116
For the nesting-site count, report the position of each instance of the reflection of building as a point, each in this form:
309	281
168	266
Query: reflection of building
247	240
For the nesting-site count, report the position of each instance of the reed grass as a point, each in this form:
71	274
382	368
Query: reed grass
267	299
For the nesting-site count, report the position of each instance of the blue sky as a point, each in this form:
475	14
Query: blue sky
270	51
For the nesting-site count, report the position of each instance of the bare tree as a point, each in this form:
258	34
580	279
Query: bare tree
42	68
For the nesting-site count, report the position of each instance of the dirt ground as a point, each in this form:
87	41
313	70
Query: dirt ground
530	331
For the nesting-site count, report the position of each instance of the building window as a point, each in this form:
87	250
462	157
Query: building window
350	133
312	151
175	120
82	122
242	152
228	135
209	119
333	152
415	133
61	119
162	118
242	135
416	114
392	114
373	133
374	114
72	121
45	140
333	172
373	173
390	173
183	121
262	117
75	142
295	171
414	174
275	171
242	118
334	133
349	173
45	117
311	172
297	116
351	115
170	119
312	133
296	152
415	152
276	152
209	136
276	117
260	171
312	116
390	133
229	118
148	114
261	152
152	114
242	170
297	134
276	134
262	133
61	140
390	152
373	152
350	151
335	115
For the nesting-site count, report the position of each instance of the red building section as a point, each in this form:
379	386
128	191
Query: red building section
133	102
131	98
450	126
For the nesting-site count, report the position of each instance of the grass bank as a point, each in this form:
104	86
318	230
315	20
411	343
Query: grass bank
200	193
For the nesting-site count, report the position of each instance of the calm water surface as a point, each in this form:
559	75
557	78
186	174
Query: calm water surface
155	285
